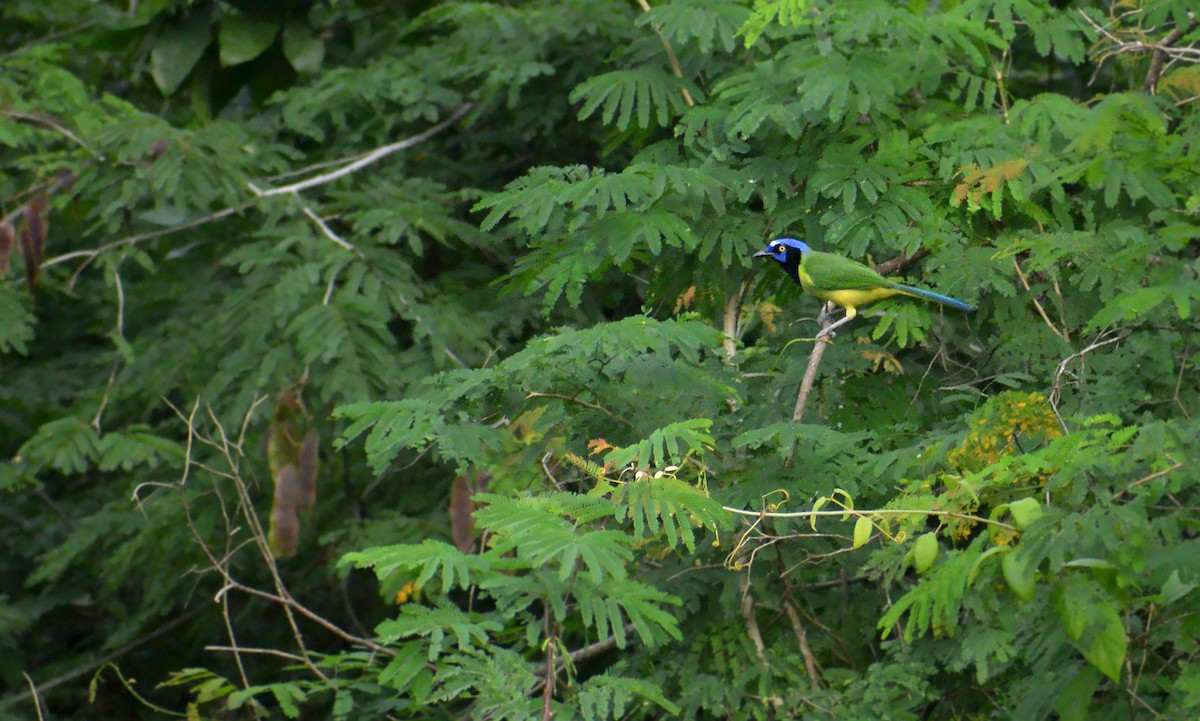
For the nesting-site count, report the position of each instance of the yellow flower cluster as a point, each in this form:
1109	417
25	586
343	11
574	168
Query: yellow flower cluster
996	428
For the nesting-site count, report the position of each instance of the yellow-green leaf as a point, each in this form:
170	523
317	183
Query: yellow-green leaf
1025	511
177	51
847	502
1105	646
862	531
245	38
1018	575
812	520
925	552
303	49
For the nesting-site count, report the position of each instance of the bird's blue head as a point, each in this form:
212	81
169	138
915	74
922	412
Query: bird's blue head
786	251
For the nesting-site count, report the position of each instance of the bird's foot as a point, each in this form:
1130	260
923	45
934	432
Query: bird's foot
827	331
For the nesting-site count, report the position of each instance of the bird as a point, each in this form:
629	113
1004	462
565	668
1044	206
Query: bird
842	280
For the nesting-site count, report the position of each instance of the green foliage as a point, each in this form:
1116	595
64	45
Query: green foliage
504	251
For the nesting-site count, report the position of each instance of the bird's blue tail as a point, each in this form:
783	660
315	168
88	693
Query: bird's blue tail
936	297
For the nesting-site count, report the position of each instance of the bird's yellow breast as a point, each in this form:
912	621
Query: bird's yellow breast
851	299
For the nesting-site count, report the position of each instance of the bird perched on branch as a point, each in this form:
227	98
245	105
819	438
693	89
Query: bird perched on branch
842	280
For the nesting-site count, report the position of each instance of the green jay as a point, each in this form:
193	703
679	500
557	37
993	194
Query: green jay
843	281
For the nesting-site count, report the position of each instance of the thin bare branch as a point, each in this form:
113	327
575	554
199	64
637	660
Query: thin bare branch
585	404
1056	391
872	512
368	159
263	651
37	700
52	124
90	667
1037	304
1160	55
672	58
810	661
354	165
750	618
142	237
329	232
814	362
118	332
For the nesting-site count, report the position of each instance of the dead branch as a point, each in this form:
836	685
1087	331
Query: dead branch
350	166
1134	41
1037	304
672	58
372	157
1056	391
826	328
814	362
86	669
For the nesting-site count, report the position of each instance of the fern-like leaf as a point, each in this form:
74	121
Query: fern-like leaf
540	536
435	624
430	557
652	93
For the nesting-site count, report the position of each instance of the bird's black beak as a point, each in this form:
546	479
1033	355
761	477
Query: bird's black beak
762	254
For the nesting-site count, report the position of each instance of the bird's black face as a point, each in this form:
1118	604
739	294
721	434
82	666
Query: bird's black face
780	249
775	251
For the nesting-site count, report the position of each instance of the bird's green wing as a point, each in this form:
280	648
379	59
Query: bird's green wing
834	272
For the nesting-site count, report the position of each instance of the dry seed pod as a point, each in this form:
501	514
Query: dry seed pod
288	492
285	524
33	239
159	150
29	253
284	437
35	222
285	533
7	238
309	463
462	515
64	179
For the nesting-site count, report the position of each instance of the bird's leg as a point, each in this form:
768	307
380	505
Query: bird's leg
828	330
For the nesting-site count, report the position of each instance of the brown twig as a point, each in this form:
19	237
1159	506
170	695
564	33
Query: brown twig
551	671
873	512
1187	354
671	57
118	332
891	265
88	668
263	651
353	165
1147	478
585	404
232	454
594	649
1160	50
810	661
1041	311
814	362
52	124
63	179
1056	391
730	317
131	240
750	619
826	328
1160	54
368	159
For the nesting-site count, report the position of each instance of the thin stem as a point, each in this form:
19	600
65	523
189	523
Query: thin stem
875	512
371	157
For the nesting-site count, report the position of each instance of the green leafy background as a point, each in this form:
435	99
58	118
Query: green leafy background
548	295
